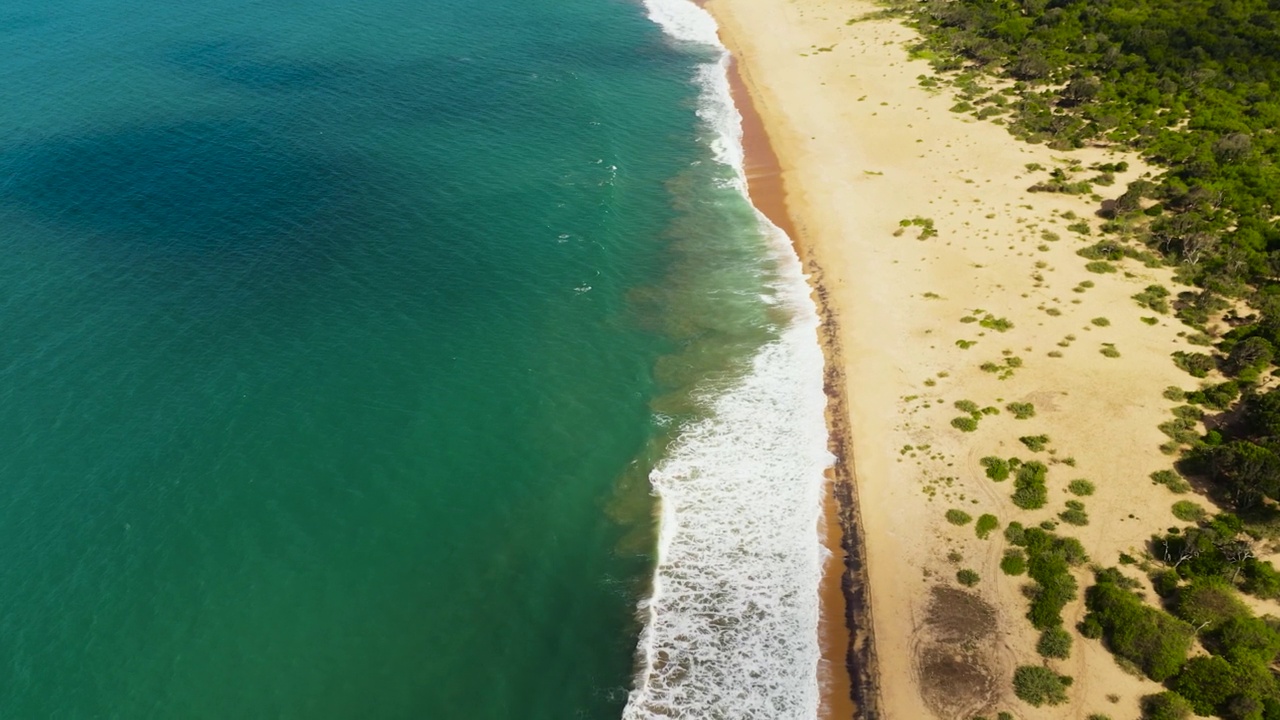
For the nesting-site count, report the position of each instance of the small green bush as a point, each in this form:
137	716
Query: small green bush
1021	411
1015	534
997	468
1100	266
1100	321
1165	706
1080	487
1037	685
958	517
1171	480
1014	562
1034	443
1054	643
994	323
1110	351
1074	514
1188	511
965	424
967	577
1155	297
1030	492
967	406
986	523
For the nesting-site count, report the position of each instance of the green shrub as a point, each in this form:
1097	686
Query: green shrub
967	406
1074	514
1030	492
1171	480
967	577
1188	511
1100	321
1100	266
1014	562
1037	685
997	468
1151	639
958	517
1034	443
1080	487
986	523
994	323
1021	411
1208	603
1165	706
965	424
1054	643
1214	686
1198	364
1015	534
1155	297
1109	350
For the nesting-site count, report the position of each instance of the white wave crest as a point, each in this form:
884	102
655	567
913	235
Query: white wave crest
732	622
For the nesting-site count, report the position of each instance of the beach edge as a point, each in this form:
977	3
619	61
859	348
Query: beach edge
849	677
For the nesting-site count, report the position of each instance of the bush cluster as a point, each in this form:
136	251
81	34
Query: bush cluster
1030	492
1049	562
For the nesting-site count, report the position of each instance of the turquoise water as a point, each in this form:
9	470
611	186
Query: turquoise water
339	338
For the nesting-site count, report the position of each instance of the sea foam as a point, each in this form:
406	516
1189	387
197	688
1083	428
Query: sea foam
732	621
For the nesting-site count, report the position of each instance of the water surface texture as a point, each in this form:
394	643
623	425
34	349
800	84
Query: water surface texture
339	341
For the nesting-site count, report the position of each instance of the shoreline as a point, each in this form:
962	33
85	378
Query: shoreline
844	630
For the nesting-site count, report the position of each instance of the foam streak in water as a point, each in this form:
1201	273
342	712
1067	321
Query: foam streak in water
732	623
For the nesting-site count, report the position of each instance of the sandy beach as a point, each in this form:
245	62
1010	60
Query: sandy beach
846	143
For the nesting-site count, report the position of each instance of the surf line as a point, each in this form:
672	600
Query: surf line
732	622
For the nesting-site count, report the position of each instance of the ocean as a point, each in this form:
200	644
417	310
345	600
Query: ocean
395	359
